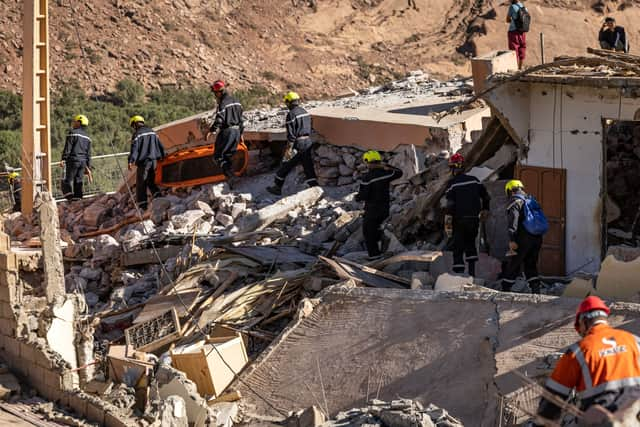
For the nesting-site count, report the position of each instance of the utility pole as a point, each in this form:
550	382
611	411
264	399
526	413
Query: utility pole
36	129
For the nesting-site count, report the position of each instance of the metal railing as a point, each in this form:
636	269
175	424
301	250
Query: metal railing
106	171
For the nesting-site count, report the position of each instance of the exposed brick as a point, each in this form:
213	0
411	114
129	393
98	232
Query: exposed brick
6	312
5	242
68	381
111	420
78	404
95	413
12	346
43	360
27	352
8	261
53	379
8	328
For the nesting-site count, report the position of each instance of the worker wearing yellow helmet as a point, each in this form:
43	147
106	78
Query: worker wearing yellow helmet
15	185
299	145
76	157
146	150
374	192
526	225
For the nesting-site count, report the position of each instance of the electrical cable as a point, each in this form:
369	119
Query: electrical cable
157	255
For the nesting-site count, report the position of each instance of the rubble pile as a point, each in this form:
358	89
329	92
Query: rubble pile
623	159
416	86
378	413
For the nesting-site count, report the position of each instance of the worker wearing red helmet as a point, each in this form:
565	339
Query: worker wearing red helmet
467	202
603	368
229	125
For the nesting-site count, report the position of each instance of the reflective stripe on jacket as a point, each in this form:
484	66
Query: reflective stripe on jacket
607	359
298	124
77	147
228	114
145	145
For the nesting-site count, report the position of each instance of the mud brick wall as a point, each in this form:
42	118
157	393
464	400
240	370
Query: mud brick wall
37	365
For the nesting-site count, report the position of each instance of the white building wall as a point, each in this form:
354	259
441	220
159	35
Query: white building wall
574	141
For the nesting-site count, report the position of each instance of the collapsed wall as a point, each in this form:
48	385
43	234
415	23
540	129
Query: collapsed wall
455	350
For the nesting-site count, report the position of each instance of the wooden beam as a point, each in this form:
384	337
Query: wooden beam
148	256
36	123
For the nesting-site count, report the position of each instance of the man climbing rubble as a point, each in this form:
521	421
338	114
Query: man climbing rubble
467	204
526	226
299	144
229	125
603	367
76	158
374	192
146	150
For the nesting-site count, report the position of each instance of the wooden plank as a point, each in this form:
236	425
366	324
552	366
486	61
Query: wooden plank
148	256
160	304
268	255
413	256
195	367
126	221
230	396
365	275
190	325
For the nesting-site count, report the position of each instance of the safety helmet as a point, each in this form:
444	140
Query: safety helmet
371	156
291	96
456	161
218	86
136	119
84	121
593	305
513	185
12	176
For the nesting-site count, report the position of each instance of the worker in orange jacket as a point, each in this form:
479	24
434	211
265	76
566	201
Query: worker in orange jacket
603	367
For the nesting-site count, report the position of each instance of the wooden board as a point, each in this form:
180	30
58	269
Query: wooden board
195	367
365	275
148	256
268	255
160	304
413	256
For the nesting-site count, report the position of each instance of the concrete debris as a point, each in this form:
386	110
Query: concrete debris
397	413
174	413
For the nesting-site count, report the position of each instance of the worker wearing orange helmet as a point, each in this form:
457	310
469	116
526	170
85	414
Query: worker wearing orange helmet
374	192
603	368
467	201
228	125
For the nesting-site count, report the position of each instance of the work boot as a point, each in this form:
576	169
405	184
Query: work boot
275	190
472	268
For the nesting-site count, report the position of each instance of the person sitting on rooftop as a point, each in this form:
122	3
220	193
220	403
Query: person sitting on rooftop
613	37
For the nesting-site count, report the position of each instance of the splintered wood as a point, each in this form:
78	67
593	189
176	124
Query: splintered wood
155	333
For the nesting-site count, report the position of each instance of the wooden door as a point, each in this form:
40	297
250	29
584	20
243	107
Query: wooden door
548	186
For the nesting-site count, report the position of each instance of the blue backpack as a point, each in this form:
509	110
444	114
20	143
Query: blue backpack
534	220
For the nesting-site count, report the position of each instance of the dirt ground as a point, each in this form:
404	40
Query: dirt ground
281	44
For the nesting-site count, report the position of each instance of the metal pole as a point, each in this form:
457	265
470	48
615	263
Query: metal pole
542	47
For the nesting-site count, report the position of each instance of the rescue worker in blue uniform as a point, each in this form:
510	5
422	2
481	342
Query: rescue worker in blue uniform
146	150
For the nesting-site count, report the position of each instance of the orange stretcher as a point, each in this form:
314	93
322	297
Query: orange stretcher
195	166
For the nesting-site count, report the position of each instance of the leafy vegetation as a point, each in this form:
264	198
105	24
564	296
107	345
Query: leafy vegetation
109	114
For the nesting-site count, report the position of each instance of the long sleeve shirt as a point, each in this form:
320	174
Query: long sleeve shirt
298	124
77	147
228	114
374	187
145	145
466	197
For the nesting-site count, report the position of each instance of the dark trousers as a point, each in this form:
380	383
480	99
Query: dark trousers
306	158
527	256
146	180
371	229
225	147
72	182
465	232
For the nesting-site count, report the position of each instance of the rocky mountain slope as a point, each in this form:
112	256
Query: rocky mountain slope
322	47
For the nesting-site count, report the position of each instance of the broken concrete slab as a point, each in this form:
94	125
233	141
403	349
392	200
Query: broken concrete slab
624	253
404	341
61	335
580	287
174	412
453	283
172	382
269	214
52	254
618	280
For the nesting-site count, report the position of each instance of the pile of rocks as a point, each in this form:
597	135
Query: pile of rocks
378	413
